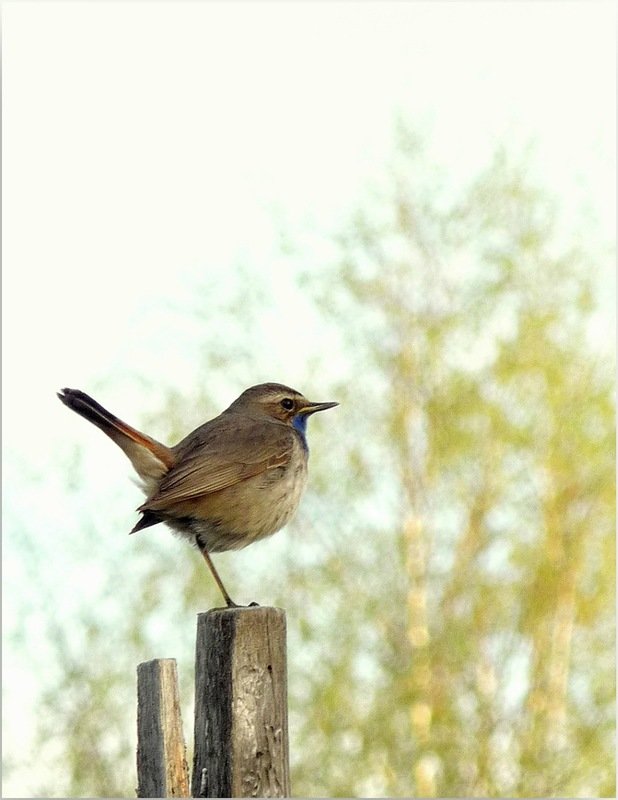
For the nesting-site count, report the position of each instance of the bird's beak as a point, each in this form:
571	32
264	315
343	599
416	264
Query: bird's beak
311	408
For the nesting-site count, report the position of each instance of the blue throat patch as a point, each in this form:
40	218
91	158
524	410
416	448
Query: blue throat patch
300	423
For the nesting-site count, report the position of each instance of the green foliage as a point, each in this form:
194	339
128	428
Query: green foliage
483	591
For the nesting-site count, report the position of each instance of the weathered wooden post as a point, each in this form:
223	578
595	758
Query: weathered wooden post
161	755
241	718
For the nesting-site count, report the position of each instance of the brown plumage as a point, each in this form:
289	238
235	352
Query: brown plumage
232	481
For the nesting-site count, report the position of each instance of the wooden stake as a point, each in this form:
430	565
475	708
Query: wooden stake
161	755
241	718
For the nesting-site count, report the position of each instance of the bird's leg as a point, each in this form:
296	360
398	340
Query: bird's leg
228	600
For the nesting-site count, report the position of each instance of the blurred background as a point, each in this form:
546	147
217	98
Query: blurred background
405	207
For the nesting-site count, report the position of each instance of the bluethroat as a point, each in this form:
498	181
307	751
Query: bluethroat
234	480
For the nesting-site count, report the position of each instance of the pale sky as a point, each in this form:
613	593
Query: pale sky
147	142
148	145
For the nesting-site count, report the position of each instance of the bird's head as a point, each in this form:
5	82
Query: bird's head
279	402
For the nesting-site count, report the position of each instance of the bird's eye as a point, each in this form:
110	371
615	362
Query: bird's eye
287	403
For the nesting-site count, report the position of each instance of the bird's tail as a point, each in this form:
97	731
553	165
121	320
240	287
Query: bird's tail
150	459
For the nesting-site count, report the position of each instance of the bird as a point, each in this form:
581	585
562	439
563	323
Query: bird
234	480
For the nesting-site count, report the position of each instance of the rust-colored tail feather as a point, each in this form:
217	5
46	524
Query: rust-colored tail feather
150	458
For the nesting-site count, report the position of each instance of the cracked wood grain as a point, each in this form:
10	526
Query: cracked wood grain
161	755
241	719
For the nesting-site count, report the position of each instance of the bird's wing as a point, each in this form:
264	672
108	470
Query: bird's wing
218	456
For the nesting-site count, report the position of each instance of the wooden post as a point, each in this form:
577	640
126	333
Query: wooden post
241	718
161	755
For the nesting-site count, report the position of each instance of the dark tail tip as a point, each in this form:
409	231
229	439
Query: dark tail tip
72	397
85	405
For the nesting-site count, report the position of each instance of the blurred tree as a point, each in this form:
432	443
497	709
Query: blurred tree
451	599
466	619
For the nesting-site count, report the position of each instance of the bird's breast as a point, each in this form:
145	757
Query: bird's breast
245	512
267	502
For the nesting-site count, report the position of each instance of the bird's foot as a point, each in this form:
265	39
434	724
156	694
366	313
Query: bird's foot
231	604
